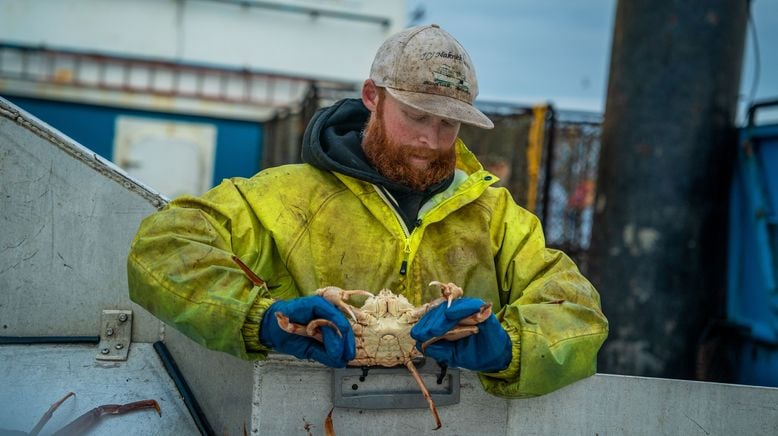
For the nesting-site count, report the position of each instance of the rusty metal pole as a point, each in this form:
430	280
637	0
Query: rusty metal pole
659	236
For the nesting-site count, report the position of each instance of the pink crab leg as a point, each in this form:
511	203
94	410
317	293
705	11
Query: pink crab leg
329	427
47	416
311	330
425	392
90	418
448	291
465	327
477	318
314	328
339	296
451	335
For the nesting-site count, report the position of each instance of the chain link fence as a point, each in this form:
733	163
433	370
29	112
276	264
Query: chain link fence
572	184
565	169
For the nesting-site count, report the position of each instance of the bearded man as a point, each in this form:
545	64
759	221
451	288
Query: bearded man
387	197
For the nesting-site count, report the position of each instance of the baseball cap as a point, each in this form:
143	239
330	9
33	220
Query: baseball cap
427	69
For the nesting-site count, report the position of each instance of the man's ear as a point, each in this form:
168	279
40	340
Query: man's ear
370	95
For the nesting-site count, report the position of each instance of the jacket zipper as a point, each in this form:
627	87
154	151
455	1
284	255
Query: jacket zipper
386	197
407	251
406	232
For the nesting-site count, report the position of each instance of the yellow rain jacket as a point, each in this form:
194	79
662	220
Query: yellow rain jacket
301	228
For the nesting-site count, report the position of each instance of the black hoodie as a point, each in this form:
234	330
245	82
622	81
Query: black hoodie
333	142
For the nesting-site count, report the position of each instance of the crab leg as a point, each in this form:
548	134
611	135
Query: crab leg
425	392
339	296
88	419
451	335
477	318
47	416
465	327
329	427
448	292
311	330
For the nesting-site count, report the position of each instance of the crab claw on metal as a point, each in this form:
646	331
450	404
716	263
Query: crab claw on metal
85	422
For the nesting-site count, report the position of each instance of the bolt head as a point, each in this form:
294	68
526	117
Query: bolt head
109	331
122	317
105	351
119	346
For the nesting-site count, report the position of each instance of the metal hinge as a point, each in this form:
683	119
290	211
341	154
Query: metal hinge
115	334
393	388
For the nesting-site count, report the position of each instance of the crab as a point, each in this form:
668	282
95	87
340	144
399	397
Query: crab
382	326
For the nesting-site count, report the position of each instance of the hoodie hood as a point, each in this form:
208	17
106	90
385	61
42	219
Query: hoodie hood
333	142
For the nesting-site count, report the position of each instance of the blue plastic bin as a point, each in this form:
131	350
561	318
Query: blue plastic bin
752	300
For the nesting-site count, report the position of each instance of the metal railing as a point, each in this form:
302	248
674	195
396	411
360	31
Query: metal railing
147	76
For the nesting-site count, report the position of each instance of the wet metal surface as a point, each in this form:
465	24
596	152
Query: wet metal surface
35	376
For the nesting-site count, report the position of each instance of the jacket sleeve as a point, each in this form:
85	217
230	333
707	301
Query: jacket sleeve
550	311
181	270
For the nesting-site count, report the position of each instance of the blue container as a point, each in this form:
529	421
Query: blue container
238	143
752	292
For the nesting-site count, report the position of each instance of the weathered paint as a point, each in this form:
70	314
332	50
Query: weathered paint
658	243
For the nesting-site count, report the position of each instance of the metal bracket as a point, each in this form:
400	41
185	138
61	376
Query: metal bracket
115	334
393	388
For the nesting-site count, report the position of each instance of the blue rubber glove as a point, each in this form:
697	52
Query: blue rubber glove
488	351
335	351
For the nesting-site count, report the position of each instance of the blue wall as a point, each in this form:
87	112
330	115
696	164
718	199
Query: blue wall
238	143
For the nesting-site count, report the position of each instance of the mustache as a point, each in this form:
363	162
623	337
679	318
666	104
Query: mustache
421	153
393	159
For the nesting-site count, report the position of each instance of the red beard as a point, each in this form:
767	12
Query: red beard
390	158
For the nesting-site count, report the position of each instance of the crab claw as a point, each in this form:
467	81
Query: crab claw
477	318
467	326
314	328
449	291
454	334
339	296
310	330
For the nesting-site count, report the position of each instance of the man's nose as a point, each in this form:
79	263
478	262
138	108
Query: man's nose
429	134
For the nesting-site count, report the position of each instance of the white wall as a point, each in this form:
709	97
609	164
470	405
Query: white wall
272	50
212	32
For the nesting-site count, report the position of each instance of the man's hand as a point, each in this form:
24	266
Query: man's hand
335	350
489	350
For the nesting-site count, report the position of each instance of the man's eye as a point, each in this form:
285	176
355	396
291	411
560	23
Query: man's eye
415	116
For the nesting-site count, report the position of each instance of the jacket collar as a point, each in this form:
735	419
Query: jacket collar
466	187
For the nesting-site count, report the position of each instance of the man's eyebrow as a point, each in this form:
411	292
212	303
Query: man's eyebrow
413	111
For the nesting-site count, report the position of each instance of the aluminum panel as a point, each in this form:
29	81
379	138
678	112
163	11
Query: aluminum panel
68	218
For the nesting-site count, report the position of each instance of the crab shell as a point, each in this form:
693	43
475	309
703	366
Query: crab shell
382	330
382	326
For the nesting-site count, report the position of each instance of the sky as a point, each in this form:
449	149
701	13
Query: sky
558	51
